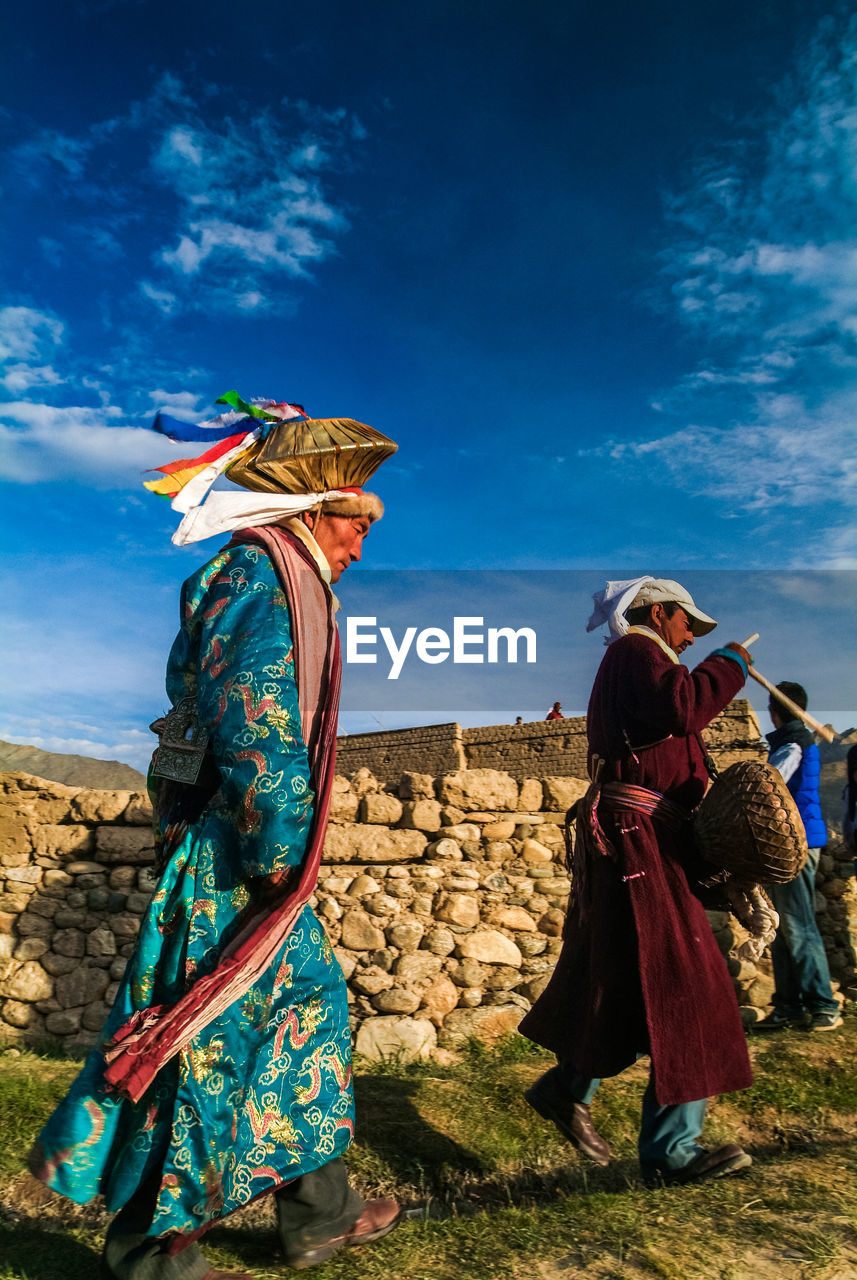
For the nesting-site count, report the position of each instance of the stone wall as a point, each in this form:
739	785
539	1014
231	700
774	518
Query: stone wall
533	750
443	897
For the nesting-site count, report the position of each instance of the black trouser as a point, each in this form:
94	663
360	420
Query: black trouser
310	1210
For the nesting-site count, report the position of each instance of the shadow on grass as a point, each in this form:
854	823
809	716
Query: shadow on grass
390	1125
28	1250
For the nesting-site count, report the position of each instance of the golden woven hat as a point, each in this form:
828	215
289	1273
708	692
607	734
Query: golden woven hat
312	455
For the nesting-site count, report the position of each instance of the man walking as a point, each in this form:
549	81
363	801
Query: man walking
224	1070
802	991
640	971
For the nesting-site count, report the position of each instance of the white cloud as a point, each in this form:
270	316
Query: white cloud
176	402
41	441
26	333
164	299
20	377
761	271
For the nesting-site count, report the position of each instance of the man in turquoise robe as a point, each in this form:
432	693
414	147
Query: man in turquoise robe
259	1100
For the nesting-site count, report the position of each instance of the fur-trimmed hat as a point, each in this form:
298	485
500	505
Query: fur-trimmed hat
358	503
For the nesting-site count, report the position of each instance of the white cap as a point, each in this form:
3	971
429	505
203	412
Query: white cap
661	590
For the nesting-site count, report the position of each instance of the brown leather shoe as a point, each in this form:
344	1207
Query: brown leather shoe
377	1219
571	1118
710	1164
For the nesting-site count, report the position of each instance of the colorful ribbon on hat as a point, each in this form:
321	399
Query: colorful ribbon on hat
233	433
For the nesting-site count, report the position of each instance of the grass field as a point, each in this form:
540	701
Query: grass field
495	1192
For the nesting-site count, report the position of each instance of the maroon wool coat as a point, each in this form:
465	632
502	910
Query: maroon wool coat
640	970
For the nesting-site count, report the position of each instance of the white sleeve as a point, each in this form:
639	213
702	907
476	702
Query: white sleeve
786	759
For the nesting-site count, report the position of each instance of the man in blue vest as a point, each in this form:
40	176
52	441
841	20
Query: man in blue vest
802	990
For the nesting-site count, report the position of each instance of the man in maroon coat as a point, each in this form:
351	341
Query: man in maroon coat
640	971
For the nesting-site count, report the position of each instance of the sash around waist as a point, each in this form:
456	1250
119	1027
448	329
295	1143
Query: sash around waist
625	795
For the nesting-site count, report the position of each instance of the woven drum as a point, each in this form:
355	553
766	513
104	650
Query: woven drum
749	825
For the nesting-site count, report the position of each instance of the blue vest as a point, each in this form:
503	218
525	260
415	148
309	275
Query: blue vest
803	784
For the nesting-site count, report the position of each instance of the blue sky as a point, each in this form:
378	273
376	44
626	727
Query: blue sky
594	267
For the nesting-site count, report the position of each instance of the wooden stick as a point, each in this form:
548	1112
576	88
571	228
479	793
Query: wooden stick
793	707
745	644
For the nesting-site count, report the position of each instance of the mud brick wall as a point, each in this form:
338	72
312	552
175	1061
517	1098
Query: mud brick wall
540	748
433	748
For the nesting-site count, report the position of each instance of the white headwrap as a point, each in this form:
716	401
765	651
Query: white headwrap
611	603
223	511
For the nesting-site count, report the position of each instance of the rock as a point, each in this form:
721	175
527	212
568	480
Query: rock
498	830
530	944
15	839
99	806
363	782
403	1039
59	964
439	941
488	1024
381	808
561	793
396	1000
535	853
347	963
416	786
515	918
458	908
125	844
360	842
30	948
51	841
124	926
407	935
139	810
381	904
122	879
64	1023
490	947
27	982
101	942
530	794
95	1015
68	942
137	903
502	977
23	875
473	789
417	967
468	973
330	909
30	926
362	885
499	851
359	933
461	832
534	987
423	815
470	998
18	1014
82	986
444	851
372	980
551	922
761	991
439	998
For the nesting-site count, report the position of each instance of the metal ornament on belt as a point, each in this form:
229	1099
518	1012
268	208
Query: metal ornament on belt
182	749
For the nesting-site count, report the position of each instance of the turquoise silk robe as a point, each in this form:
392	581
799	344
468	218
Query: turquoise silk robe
263	1093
